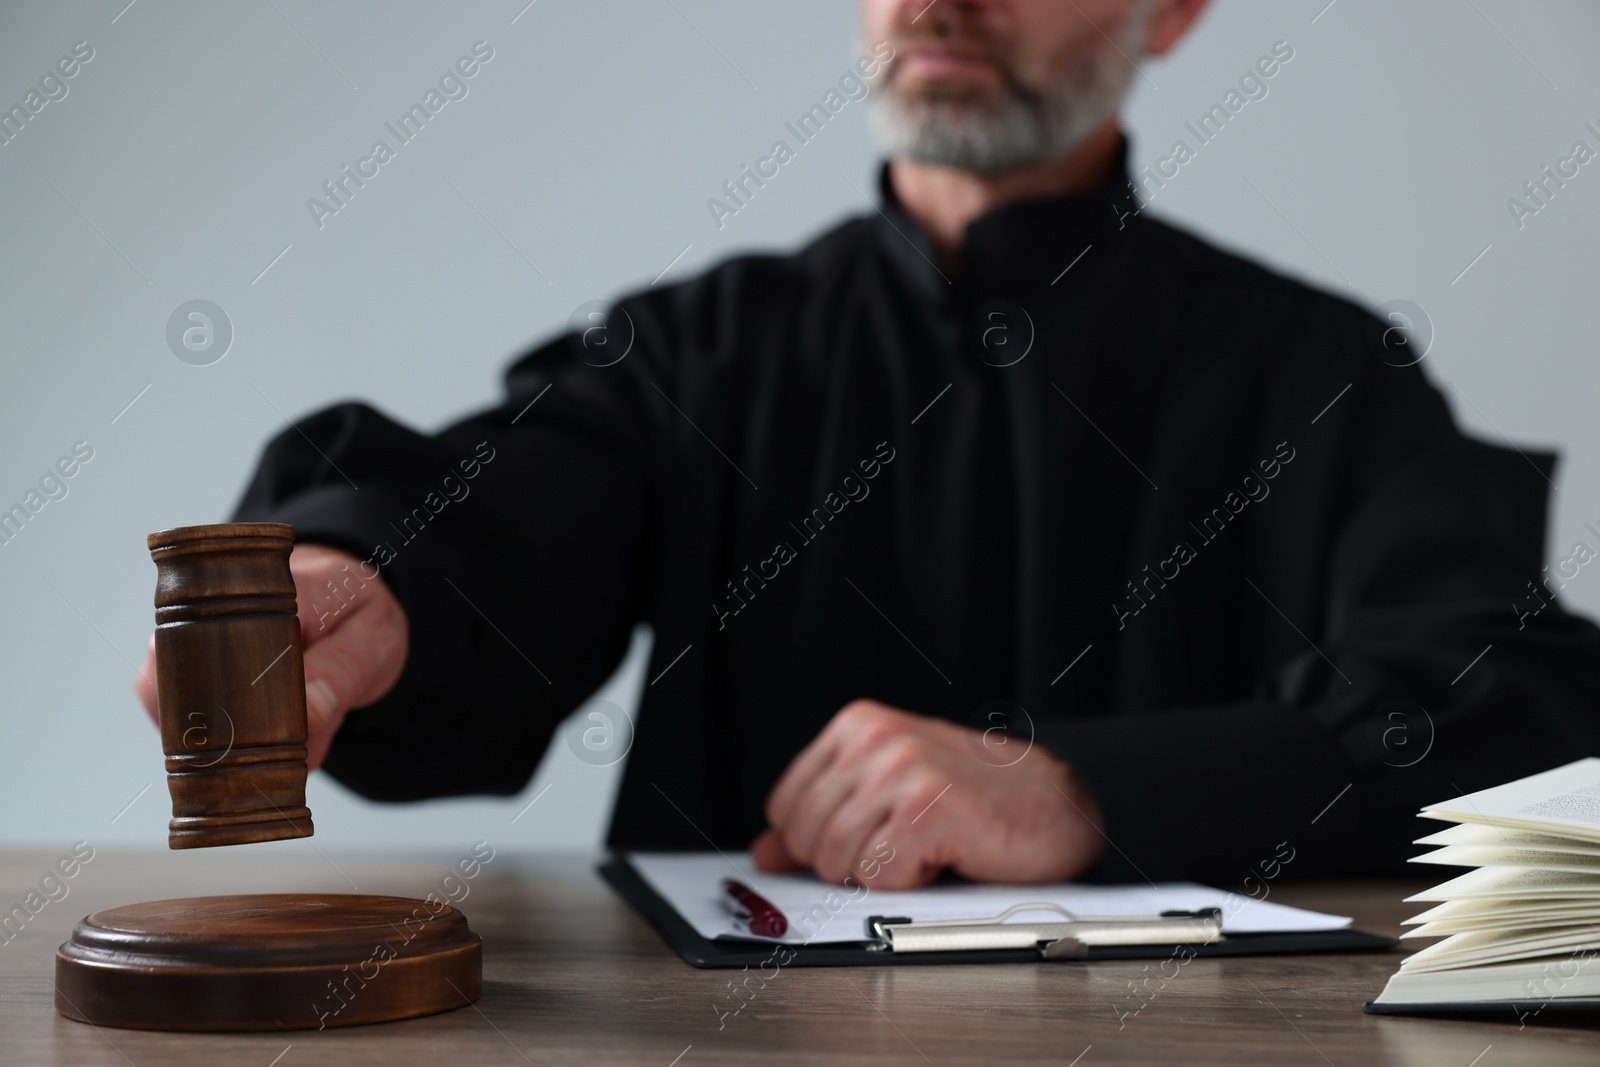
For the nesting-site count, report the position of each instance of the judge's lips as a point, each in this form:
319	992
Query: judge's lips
939	61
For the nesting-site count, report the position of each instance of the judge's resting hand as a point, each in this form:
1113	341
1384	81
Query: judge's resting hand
355	640
880	783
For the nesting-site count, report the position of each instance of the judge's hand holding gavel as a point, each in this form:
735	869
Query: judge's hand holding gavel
355	642
875	776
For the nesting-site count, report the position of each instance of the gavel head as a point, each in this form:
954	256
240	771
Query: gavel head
230	684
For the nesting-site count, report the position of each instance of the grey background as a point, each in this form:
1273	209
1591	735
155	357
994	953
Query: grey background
179	164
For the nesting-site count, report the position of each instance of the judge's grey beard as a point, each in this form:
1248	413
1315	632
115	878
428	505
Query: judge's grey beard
1029	125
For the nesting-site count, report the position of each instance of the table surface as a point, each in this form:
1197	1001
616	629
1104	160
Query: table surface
572	975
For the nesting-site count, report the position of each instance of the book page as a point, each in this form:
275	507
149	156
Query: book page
1502	946
1565	801
1446	929
1512	883
1482	834
1494	912
1571	974
1497	856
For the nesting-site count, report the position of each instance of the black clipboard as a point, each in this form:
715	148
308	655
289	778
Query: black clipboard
705	952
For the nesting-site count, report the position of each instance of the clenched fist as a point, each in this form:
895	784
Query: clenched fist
877	774
355	640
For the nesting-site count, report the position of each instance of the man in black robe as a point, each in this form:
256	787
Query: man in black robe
1001	525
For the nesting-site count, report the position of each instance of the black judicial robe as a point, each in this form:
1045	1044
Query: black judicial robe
1240	572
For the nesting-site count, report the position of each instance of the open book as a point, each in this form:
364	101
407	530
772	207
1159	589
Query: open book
1523	925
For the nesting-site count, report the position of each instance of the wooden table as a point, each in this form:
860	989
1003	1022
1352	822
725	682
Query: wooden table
572	975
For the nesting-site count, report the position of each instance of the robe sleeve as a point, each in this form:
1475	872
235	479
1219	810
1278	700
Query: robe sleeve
517	542
1425	681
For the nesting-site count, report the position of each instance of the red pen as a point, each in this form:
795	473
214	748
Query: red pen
747	904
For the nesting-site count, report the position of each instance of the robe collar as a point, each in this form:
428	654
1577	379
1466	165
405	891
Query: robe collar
1016	248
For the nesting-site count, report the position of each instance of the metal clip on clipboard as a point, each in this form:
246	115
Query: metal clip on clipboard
1070	939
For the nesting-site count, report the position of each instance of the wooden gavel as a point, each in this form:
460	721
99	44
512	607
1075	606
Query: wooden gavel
230	684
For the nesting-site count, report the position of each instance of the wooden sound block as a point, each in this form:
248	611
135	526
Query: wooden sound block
272	961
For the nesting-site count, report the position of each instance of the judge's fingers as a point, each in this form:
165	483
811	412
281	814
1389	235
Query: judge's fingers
328	587
354	665
846	838
768	853
879	776
798	776
144	684
922	834
832	789
858	725
896	856
317	745
870	779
